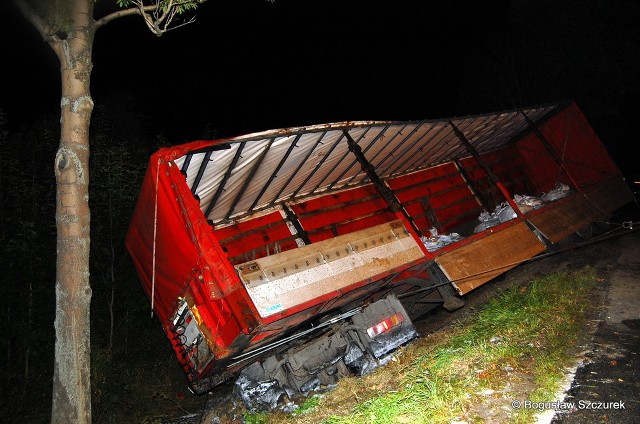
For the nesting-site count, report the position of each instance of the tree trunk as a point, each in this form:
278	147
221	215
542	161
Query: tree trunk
71	379
69	28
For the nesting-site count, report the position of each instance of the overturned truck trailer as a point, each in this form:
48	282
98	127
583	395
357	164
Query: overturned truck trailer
291	257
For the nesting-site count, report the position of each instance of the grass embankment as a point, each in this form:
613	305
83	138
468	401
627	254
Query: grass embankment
515	348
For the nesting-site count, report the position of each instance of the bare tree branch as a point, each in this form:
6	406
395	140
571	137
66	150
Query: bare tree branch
158	17
120	13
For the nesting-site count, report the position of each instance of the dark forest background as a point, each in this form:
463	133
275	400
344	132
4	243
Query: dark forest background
531	52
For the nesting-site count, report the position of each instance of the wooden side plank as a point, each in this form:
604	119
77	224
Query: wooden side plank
609	195
564	217
474	264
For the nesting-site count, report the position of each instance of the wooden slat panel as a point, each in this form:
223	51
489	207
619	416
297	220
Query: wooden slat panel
478	262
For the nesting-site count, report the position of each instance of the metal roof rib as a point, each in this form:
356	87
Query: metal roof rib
353	162
226	177
330	171
435	151
393	152
186	163
298	168
412	158
247	181
274	174
325	156
384	146
375	139
201	169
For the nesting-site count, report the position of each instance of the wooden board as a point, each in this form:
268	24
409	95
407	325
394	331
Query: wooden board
560	219
563	218
474	264
278	282
609	196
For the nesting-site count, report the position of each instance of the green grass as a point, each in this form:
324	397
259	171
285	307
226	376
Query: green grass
523	336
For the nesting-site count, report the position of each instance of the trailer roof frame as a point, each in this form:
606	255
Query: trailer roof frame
239	176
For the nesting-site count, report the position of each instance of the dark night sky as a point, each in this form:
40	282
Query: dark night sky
249	65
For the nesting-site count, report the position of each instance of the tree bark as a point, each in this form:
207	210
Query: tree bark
71	379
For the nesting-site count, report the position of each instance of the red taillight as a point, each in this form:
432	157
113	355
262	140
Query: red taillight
385	325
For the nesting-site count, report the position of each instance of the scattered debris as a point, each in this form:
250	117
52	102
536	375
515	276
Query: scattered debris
437	241
504	212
